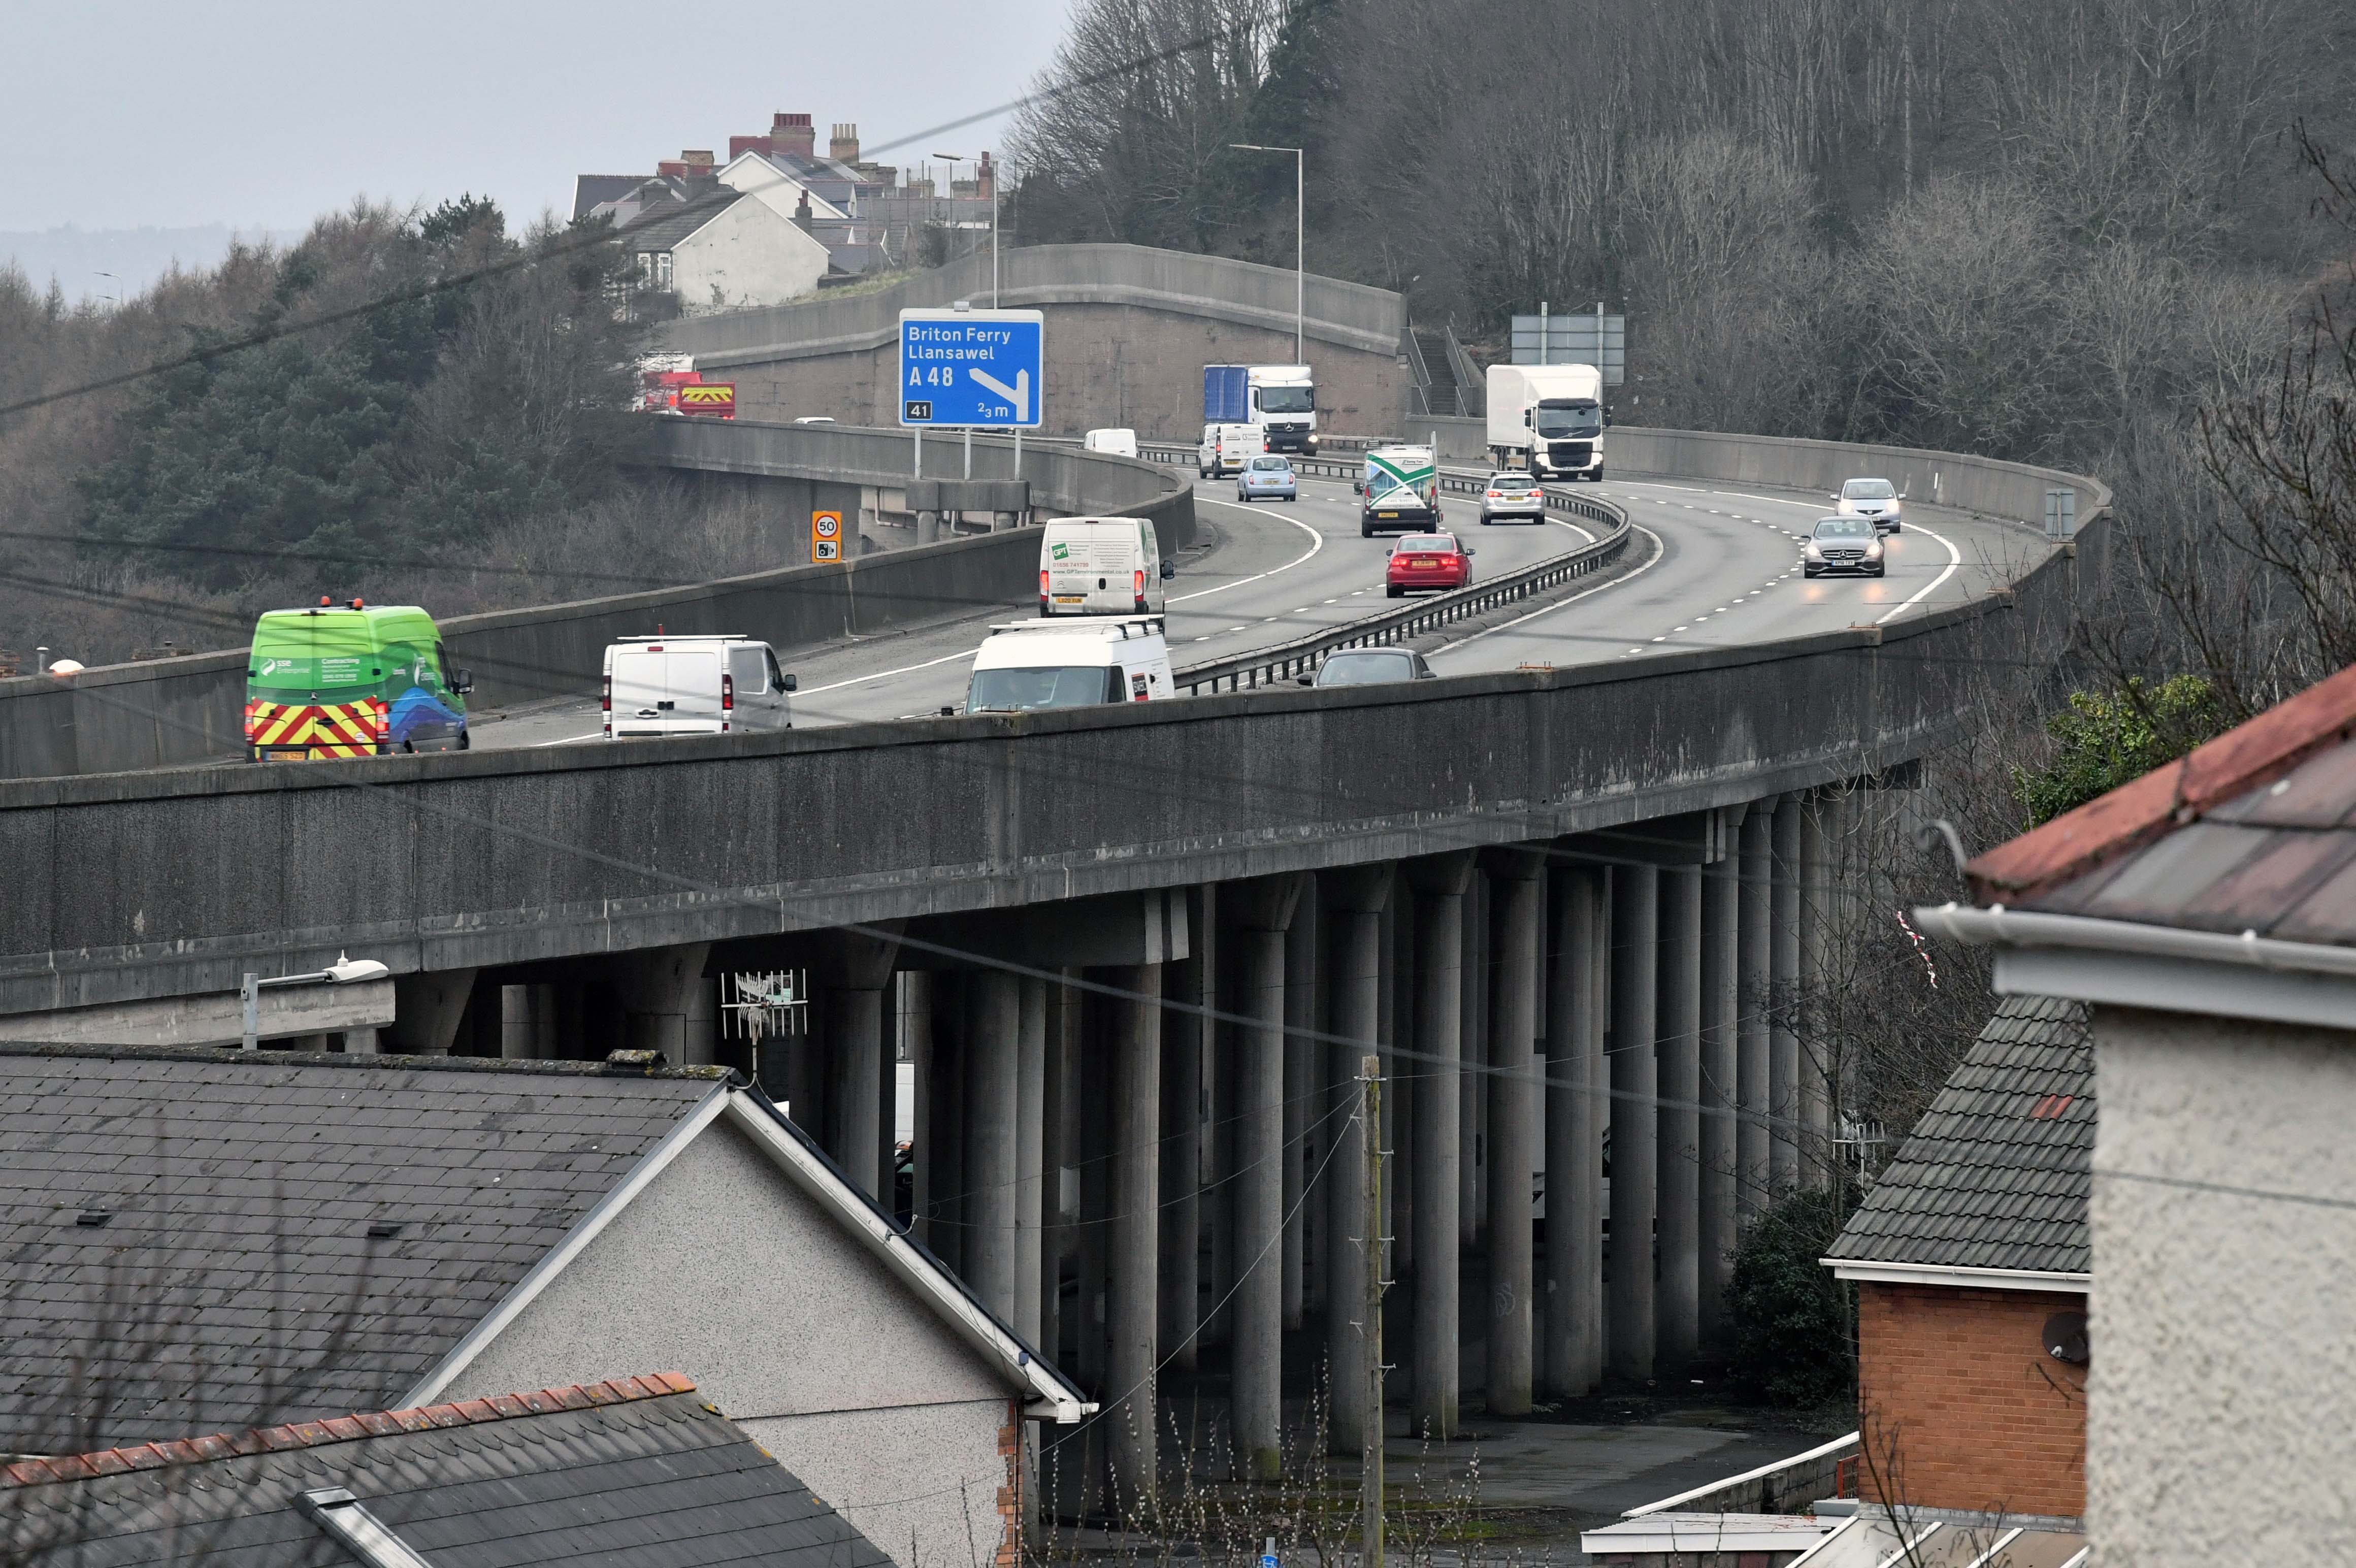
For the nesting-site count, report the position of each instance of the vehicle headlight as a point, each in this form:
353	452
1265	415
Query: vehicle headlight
1813	552
1874	550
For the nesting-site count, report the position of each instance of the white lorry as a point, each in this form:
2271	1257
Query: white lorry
1029	665
1548	419
693	685
1280	400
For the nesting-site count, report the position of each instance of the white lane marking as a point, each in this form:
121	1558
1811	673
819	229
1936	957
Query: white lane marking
1659	551
1955	563
1317	543
598	734
884	674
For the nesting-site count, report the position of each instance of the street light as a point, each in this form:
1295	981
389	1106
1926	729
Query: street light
1299	245
960	159
343	971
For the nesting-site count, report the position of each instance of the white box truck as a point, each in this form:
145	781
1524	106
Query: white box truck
1284	405
1548	419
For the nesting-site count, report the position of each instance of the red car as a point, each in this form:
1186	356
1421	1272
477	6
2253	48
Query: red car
1428	560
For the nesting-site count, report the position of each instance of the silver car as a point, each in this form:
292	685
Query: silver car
1876	498
1265	477
1369	666
1843	546
1511	495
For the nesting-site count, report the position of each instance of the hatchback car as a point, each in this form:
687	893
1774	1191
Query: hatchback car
1423	561
1369	666
1262	478
1843	544
1876	499
1511	495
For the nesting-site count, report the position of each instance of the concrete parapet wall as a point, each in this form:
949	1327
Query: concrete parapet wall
178	881
166	712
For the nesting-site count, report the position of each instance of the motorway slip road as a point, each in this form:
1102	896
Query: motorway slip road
1720	567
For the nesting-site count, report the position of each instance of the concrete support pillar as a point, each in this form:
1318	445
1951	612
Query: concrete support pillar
1261	912
528	1022
1517	882
1783	1034
851	974
915	988
928	528
1472	1088
1437	1171
1676	1303
1030	1150
1719	1006
945	1153
1405	1076
1635	1123
1354	901
1300	962
427	1008
1099	1043
1576	1114
1817	950
1754	948
1130	1359
992	1253
1059	1148
358	1043
657	989
1183	1031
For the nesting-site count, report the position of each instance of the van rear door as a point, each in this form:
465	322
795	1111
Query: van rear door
693	686
638	691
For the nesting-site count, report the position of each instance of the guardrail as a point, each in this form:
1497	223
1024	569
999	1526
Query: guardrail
1286	661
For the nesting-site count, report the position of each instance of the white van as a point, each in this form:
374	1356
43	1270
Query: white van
1029	664
1101	565
693	685
1121	442
1225	447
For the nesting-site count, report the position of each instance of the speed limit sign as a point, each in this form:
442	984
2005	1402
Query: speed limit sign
825	536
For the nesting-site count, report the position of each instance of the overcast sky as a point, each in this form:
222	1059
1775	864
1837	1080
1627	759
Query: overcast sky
261	114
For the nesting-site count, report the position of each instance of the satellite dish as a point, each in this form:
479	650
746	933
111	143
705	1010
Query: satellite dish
2065	1337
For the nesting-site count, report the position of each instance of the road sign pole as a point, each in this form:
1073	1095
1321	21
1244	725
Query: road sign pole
969	451
920	451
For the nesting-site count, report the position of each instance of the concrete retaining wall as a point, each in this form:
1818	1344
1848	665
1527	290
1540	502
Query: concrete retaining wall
1128	331
172	882
164	712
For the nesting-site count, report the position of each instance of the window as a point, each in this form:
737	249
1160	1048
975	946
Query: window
1843	528
1869	490
1064	686
1286	399
750	669
654	267
1563	419
1366	669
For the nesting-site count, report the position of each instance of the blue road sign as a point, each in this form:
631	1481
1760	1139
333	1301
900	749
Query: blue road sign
979	368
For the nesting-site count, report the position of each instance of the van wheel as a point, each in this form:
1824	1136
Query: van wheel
408	748
1365	528
466	741
1598	475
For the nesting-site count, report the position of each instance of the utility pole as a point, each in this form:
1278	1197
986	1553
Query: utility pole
1370	1438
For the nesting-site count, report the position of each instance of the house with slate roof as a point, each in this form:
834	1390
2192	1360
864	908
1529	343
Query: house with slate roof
2205	917
713	247
634	1473
1970	1259
197	1242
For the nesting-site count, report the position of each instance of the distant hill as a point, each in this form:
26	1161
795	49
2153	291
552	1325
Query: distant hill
136	257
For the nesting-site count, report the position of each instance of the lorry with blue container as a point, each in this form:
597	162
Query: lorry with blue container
1280	400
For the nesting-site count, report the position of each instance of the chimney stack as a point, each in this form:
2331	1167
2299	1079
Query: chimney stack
697	159
985	175
792	135
844	145
739	146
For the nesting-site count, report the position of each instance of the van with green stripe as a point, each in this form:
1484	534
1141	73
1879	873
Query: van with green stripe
1400	491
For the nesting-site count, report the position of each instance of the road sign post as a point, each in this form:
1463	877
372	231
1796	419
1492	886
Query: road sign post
825	536
974	369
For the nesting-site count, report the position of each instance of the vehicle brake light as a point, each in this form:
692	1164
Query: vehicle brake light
606	696
727	693
249	719
1140	582
383	718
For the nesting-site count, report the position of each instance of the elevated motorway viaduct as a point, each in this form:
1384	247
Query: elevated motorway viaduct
1148	947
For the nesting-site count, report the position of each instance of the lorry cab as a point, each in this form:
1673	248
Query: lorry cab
1101	565
1400	491
1029	665
718	684
1225	447
351	680
1284	405
1547	420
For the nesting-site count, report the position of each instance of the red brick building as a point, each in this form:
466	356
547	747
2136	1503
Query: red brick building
1970	1257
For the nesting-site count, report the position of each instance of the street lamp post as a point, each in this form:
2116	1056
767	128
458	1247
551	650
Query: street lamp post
1299	246
343	971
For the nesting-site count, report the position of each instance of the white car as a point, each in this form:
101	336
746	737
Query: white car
1876	498
1511	493
1028	665
693	685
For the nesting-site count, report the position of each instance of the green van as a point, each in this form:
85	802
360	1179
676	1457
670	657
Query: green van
351	681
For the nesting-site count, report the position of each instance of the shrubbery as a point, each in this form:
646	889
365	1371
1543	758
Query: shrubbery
1794	1325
